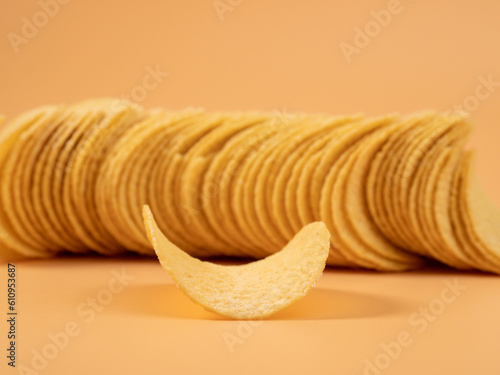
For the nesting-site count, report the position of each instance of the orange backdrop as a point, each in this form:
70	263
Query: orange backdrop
331	56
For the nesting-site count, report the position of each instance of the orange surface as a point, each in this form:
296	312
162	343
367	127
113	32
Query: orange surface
146	325
283	56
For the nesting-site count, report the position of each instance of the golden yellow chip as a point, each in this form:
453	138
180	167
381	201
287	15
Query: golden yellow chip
443	211
109	118
20	231
422	188
46	184
460	223
353	236
400	170
218	180
245	196
283	184
115	172
283	158
242	184
252	291
311	185
355	209
403	197
436	160
160	191
179	216
94	150
190	179
379	176
481	216
134	192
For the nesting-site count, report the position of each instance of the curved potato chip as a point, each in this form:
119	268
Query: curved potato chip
251	291
480	214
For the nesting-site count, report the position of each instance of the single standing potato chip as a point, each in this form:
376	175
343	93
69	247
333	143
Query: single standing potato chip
252	291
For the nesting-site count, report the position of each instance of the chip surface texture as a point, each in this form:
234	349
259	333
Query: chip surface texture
251	291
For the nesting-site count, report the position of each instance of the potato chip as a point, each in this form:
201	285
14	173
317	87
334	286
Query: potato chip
282	159
353	199
378	177
12	244
459	227
190	179
436	159
159	183
116	171
16	215
366	248
480	215
401	168
54	174
286	182
135	193
446	132
179	216
93	149
442	211
252	291
314	174
219	182
75	178
78	182
245	195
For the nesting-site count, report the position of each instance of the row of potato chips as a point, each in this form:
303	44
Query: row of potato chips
392	190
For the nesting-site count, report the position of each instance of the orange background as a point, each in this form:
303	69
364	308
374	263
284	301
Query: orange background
283	56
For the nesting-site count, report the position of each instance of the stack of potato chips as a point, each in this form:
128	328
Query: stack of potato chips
393	190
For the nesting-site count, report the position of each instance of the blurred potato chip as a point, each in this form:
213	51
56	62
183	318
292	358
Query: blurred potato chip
218	182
